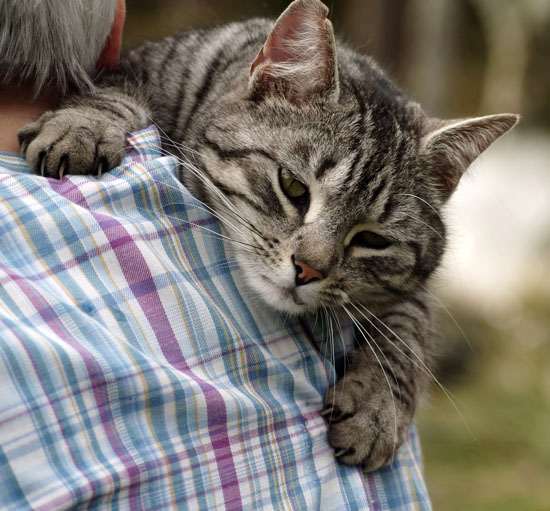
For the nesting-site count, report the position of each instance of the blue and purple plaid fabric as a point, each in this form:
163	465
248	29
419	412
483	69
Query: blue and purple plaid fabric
135	374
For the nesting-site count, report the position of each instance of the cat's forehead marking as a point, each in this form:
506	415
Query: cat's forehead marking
335	173
316	207
326	164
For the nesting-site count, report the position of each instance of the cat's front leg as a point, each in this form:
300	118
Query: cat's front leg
86	135
370	409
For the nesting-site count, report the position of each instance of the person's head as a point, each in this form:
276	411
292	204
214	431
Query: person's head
58	42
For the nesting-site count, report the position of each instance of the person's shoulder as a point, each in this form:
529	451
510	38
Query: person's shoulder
12	162
144	144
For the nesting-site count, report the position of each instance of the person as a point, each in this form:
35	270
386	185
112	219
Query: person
48	49
136	372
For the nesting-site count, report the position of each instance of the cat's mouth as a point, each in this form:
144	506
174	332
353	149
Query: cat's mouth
286	292
283	298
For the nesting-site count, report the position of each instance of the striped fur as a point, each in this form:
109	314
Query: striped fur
371	160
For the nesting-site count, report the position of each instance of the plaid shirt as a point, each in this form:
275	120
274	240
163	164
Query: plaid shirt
134	372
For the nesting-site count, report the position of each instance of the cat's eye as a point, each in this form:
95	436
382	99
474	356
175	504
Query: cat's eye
369	239
292	188
295	191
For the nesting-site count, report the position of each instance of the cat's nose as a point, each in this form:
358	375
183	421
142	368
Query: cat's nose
305	273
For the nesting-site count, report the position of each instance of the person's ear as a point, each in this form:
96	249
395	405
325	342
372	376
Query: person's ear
108	59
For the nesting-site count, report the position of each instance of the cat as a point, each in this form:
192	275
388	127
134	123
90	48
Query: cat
328	178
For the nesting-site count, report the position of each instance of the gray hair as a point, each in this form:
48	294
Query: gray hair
53	42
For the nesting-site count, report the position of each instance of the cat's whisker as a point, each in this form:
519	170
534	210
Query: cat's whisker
329	337
227	205
437	233
338	324
332	350
316	317
332	340
324	328
206	208
210	211
442	221
180	189
219	216
198	173
364	333
463	333
252	296
330	309
422	200
216	190
213	233
423	367
235	265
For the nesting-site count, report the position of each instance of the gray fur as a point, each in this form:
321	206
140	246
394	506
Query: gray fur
371	158
53	41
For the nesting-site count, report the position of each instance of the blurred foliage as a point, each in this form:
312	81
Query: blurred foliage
497	455
456	57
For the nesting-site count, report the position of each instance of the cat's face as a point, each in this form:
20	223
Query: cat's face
323	213
328	180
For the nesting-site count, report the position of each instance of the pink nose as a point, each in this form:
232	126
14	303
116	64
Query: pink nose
305	273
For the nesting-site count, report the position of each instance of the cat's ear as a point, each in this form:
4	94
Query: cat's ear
298	60
449	147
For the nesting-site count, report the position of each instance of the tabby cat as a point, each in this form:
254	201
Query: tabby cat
327	177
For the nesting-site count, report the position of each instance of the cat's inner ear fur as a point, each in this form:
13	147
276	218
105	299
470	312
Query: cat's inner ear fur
449	147
298	59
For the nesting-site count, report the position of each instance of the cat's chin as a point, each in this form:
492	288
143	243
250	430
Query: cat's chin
289	300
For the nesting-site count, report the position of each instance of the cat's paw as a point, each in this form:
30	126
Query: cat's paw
72	141
364	426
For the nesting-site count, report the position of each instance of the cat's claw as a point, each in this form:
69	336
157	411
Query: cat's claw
366	429
62	168
335	414
23	148
72	141
100	169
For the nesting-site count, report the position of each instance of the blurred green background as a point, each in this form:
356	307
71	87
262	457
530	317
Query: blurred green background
464	58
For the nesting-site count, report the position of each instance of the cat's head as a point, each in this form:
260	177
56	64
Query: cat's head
329	180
